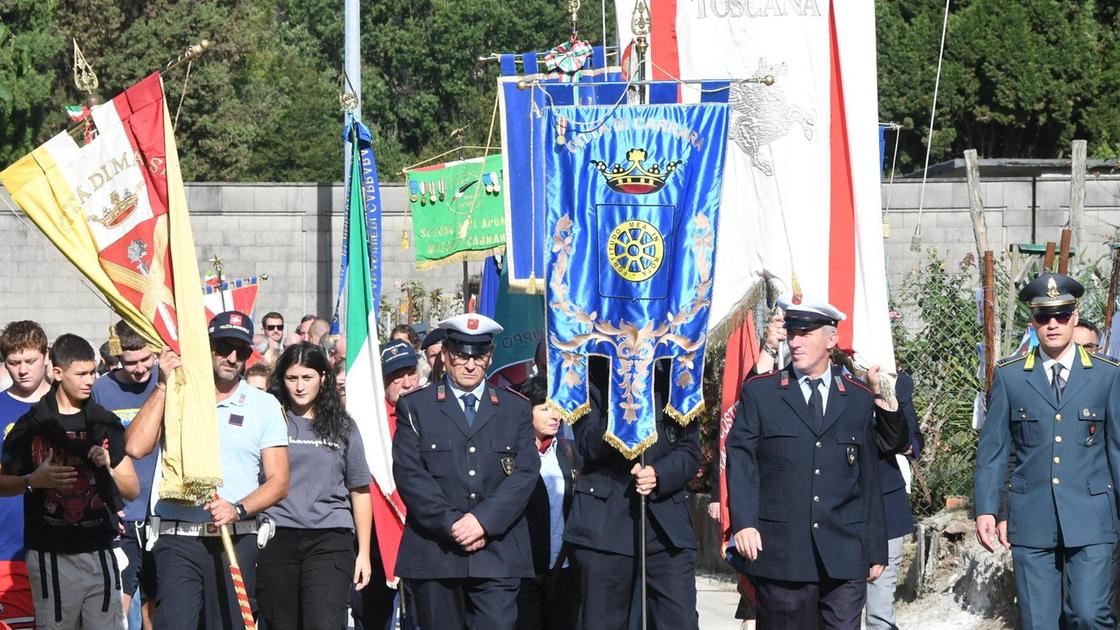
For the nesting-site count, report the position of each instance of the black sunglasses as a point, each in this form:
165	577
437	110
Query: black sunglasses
274	326
223	347
1043	319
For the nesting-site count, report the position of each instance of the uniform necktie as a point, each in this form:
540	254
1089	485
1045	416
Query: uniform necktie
816	401
468	407
1058	383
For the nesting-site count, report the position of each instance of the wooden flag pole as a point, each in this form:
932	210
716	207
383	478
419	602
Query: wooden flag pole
238	581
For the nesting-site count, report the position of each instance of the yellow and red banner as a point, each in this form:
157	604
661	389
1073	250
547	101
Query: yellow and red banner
116	208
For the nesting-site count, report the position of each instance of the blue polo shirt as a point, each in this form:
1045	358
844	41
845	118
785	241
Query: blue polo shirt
249	421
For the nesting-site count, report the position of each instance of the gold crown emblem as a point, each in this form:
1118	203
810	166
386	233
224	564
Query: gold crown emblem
122	207
1052	289
636	179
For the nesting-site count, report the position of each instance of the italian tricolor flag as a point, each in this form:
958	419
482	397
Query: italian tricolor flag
365	390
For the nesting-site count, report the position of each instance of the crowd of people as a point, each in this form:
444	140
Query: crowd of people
513	520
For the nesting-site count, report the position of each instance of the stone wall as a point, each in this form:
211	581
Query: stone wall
292	233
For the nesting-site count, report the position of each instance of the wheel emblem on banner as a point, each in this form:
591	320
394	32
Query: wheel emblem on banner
635	250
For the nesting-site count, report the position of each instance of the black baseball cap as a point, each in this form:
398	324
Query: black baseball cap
232	325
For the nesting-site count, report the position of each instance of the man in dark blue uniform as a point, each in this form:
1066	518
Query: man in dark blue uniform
465	466
603	528
803	483
1055	411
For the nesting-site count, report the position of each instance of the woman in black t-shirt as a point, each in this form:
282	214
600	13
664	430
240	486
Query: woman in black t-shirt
305	572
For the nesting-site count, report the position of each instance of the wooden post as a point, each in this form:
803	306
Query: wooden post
1063	250
1048	259
1077	190
989	319
1113	285
975	203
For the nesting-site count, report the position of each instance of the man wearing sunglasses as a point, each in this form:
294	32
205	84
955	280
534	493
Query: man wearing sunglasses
272	326
1053	410
192	581
465	464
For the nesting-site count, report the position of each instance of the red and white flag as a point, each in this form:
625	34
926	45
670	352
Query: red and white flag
801	181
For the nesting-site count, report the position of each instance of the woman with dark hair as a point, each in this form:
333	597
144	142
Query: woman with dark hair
406	333
550	600
304	573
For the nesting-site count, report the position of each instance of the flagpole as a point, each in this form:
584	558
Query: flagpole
352	69
640	25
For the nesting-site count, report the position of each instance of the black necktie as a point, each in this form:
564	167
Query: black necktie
816	401
468	407
1058	383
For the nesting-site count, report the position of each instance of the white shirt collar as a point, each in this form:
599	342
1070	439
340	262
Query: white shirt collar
1066	360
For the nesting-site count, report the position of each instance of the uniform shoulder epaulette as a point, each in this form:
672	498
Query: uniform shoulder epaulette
416	391
760	376
510	390
1009	360
1107	359
854	381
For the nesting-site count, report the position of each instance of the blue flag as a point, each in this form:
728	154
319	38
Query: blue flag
523	99
632	202
367	188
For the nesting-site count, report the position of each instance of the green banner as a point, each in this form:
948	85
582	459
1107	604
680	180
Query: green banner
458	210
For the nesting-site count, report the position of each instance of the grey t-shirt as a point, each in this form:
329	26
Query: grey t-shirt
321	475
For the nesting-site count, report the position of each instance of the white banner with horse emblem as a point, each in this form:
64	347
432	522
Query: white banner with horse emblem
800	193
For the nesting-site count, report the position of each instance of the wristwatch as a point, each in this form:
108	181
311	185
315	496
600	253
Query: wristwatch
27	489
242	513
773	352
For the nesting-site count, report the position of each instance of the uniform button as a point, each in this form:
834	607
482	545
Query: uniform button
507	448
433	446
817	471
591	489
1057	460
816	499
470	472
816	526
818	444
1058	417
1086	411
1058	439
470	450
1056	481
472	495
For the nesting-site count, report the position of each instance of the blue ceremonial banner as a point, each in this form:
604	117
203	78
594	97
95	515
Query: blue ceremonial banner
632	202
371	196
522	100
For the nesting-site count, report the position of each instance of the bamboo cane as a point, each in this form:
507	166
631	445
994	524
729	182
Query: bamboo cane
238	581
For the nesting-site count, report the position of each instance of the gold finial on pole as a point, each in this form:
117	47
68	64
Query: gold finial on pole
85	79
573	8
640	25
190	54
347	99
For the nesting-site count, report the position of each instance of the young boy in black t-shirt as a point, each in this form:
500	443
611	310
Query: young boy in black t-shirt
69	529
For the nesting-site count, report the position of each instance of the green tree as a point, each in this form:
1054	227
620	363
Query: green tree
28	46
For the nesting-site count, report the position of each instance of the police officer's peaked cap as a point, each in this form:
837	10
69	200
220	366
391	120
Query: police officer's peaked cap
1052	292
434	336
470	333
397	355
807	315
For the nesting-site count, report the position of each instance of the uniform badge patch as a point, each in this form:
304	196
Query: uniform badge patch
672	433
507	464
236	419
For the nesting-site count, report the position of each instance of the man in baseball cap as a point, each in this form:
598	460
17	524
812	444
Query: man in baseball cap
253	442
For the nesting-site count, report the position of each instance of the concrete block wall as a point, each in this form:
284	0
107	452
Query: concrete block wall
947	227
292	232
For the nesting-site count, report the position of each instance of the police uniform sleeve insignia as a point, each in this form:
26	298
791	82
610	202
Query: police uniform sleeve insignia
672	433
507	464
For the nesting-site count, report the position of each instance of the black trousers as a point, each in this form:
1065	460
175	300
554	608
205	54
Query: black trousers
304	578
194	587
466	603
607	580
829	604
548	602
